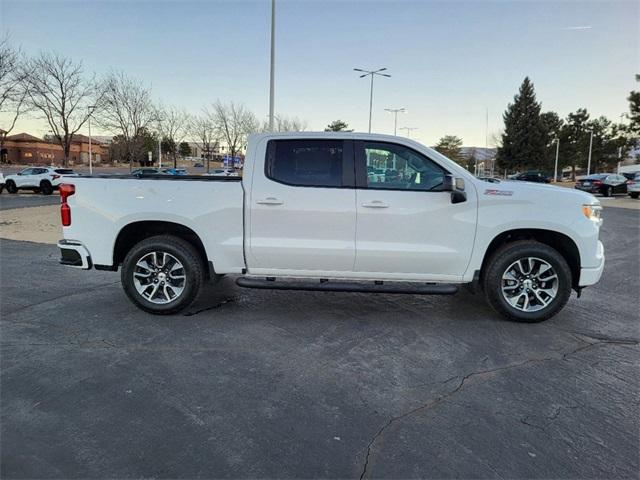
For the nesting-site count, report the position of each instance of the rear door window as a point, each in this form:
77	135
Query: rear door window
307	163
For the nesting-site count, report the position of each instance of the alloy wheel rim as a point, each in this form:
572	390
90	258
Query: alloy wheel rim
529	284
159	277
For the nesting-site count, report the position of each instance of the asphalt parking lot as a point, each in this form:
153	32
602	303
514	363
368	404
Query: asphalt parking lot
281	384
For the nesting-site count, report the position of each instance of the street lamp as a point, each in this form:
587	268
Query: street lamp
90	109
555	170
272	73
372	73
408	129
395	117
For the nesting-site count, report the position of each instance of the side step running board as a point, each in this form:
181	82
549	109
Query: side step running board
328	286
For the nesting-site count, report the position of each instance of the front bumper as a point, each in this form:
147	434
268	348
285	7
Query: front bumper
591	276
74	254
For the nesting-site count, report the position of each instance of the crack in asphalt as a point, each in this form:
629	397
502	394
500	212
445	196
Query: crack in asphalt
461	384
212	307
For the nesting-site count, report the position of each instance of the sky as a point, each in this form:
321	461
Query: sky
450	62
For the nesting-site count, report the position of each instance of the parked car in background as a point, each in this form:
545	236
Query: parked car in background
630	175
175	171
1	182
39	179
633	186
537	177
147	171
606	184
222	172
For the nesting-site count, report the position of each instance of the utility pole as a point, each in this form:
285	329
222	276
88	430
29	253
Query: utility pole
159	151
589	160
395	117
91	108
555	170
372	73
272	74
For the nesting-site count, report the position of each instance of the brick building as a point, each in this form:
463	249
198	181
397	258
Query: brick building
25	149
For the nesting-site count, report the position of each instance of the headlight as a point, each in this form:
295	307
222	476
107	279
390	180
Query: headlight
593	213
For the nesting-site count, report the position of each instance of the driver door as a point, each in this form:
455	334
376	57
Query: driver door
25	177
407	227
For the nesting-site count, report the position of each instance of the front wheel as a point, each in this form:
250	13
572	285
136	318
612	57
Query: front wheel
11	186
527	281
634	194
162	274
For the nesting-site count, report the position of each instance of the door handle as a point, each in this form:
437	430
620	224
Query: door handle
376	204
270	201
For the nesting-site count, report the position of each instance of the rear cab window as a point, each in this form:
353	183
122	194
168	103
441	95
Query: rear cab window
310	163
63	171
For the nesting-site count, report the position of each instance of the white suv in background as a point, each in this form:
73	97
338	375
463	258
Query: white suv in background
42	179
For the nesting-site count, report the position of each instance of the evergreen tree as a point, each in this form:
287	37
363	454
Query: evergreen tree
451	147
574	140
184	149
524	138
552	127
338	126
634	113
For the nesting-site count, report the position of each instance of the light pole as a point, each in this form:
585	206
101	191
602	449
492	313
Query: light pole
408	129
90	108
372	73
555	170
589	160
272	73
159	151
395	117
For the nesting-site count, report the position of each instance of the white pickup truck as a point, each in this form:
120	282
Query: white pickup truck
310	213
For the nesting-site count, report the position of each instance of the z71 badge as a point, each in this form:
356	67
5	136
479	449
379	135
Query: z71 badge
506	193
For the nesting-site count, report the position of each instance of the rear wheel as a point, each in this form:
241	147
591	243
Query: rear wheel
527	281
46	188
11	186
162	274
634	194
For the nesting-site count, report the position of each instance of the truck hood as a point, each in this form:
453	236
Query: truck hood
535	192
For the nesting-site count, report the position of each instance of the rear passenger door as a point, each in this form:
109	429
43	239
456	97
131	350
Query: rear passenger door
302	209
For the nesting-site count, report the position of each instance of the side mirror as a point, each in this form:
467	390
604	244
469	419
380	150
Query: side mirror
456	187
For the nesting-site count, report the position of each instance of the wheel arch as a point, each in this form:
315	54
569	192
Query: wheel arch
135	232
556	240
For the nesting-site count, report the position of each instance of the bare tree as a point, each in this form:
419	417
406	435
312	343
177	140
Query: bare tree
127	111
233	123
202	128
58	89
173	124
287	124
12	93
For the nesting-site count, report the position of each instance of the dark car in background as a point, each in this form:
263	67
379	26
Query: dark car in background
534	176
606	184
147	171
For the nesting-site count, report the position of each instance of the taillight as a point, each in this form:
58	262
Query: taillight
596	182
53	177
66	190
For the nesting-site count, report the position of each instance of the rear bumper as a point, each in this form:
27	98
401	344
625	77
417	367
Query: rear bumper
591	276
74	254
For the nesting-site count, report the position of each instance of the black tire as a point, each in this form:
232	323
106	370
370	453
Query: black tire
46	188
181	250
502	259
1	188
634	194
11	186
